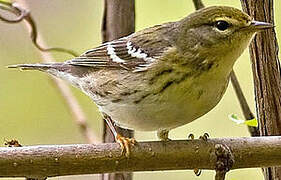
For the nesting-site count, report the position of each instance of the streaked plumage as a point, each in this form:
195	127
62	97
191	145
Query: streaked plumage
164	76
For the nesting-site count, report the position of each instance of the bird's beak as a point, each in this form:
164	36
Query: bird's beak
258	25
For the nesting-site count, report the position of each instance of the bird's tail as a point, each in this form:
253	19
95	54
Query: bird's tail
38	66
64	71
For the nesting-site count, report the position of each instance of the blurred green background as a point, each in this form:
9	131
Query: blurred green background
32	111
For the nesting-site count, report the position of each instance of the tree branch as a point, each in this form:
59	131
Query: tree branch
198	4
24	15
60	160
254	131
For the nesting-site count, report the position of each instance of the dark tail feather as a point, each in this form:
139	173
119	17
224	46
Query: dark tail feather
64	71
39	66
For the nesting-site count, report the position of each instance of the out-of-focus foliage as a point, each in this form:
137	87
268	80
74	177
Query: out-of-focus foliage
33	112
252	122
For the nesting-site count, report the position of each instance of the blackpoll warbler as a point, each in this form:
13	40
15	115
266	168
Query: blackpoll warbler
161	77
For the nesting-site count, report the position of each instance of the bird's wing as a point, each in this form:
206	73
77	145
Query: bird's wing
129	53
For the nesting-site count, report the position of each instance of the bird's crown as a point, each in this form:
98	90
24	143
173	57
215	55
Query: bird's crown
213	14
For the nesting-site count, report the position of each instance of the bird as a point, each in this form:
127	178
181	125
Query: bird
164	76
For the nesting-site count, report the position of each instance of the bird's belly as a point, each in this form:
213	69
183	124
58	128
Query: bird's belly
176	106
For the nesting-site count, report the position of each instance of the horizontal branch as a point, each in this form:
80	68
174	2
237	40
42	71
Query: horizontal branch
59	160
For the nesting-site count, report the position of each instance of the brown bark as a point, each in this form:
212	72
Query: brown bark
59	160
118	21
266	72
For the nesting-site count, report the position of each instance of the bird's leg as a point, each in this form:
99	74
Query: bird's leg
124	142
163	135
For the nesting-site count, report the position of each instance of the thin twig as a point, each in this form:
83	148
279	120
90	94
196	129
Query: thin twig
254	131
198	4
242	100
59	160
71	102
23	14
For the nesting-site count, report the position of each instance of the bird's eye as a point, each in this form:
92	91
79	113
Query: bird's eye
221	25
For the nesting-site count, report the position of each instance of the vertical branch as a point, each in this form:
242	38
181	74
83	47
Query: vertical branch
198	4
254	131
118	21
266	72
243	103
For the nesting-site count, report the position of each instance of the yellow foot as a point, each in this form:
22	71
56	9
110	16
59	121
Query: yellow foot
197	172
126	144
204	137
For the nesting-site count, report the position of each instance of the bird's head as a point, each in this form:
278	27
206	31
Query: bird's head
218	31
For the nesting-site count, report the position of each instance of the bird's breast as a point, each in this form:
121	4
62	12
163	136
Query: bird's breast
169	103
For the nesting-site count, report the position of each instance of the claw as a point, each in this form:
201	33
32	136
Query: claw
204	137
126	144
197	172
191	136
